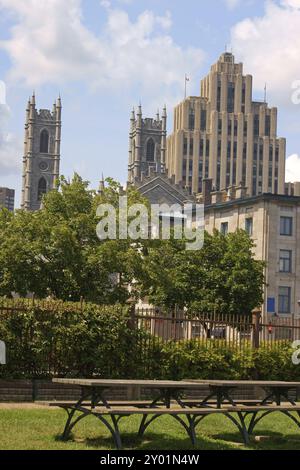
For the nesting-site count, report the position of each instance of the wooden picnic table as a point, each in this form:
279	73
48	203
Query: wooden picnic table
94	395
168	401
276	391
167	390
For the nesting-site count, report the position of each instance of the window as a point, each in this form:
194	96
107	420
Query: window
284	300
256	125
207	148
285	261
201	148
42	188
219	97
184	166
224	228
150	150
191	147
185	146
244	93
203	120
192	120
286	226
249	226
44	142
235	128
229	127
230	98
268	126
220	126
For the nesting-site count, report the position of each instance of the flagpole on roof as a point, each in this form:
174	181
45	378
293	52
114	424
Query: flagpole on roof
186	79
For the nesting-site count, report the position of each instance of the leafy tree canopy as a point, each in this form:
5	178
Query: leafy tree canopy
56	251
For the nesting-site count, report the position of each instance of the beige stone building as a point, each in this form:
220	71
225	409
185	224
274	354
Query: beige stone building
226	136
224	152
7	198
273	222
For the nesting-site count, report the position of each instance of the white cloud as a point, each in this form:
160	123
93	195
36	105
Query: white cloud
291	3
10	146
269	46
50	43
292	170
231	4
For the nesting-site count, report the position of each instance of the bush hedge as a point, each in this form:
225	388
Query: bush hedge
63	339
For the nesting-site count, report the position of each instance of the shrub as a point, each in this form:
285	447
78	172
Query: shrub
63	339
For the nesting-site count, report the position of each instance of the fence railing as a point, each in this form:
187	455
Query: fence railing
232	330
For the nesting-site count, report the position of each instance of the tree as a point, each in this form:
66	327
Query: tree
56	251
222	277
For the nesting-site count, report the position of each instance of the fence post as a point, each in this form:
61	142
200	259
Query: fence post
256	318
131	322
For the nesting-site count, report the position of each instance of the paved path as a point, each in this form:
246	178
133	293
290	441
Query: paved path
23	406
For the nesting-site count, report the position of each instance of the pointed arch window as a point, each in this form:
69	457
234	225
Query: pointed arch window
150	154
44	141
42	188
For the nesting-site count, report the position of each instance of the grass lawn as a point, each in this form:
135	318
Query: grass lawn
39	429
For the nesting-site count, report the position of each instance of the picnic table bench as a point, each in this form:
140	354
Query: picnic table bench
188	413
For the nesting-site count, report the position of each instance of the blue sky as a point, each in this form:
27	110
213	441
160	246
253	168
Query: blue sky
106	56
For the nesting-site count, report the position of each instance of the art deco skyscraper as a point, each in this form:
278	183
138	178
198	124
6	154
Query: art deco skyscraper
225	136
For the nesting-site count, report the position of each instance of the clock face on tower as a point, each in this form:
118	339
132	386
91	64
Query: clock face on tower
43	166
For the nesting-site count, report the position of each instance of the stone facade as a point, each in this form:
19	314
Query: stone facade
147	145
41	159
7	198
273	222
226	136
158	189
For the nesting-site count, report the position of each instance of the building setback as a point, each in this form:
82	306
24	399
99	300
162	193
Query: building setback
7	198
225	136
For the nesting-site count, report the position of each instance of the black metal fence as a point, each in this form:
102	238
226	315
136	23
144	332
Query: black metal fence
49	338
238	331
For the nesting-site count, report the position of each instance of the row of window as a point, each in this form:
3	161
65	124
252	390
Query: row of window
203	124
286	227
248	227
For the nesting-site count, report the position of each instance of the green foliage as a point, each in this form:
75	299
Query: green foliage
53	338
222	277
194	360
56	252
275	362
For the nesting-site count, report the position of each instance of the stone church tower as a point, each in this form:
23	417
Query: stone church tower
147	145
41	153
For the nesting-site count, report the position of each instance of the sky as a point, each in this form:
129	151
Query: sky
106	56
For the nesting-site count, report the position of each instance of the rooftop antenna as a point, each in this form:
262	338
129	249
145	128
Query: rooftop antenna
186	79
265	97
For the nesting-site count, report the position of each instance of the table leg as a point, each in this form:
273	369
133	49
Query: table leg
276	394
221	393
96	396
166	395
71	412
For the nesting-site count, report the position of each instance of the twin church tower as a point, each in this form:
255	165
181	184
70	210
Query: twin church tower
221	136
41	158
